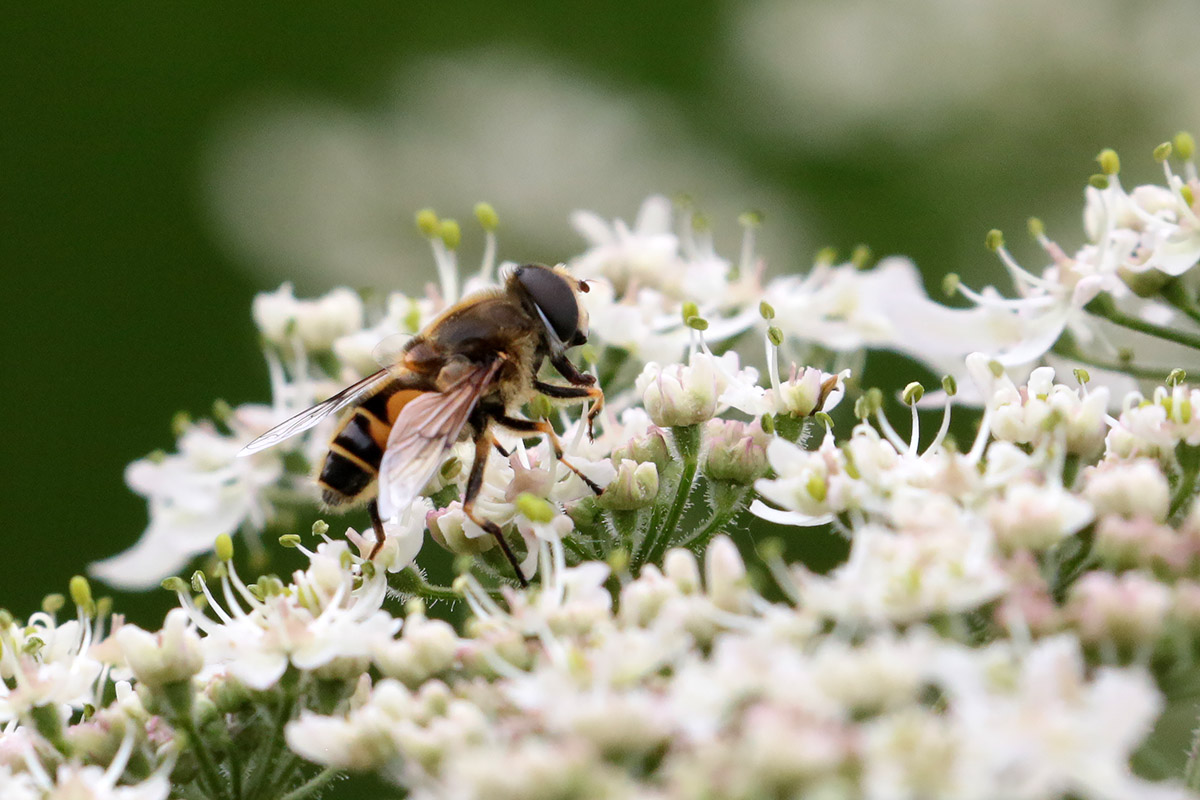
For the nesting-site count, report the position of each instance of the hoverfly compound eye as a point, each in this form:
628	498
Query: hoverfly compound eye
553	296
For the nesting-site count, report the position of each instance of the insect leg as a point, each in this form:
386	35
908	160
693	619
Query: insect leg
569	371
483	441
377	524
592	393
545	428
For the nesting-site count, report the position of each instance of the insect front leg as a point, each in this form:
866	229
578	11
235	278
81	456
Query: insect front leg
545	428
569	371
593	393
483	442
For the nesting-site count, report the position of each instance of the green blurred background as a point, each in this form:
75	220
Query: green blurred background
160	163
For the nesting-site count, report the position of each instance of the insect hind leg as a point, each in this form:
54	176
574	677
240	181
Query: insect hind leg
483	442
377	524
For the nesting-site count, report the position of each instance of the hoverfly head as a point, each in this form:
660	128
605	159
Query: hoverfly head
555	296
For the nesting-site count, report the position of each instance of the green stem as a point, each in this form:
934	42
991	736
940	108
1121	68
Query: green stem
1075	354
322	779
235	772
1189	461
687	440
180	701
208	767
1103	306
1175	294
725	512
262	784
410	581
1191	772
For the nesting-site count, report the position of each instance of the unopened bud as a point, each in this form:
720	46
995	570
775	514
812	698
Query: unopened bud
635	486
737	451
650	447
447	529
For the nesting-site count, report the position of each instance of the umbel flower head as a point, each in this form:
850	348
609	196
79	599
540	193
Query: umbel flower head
1015	601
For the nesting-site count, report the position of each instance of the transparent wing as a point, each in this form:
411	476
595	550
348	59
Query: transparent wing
424	431
312	416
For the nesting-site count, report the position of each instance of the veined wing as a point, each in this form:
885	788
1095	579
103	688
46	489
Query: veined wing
424	431
312	416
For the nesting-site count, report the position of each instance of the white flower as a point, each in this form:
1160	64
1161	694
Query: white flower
47	663
174	654
678	395
904	577
323	623
317	323
1036	517
1133	488
645	255
195	495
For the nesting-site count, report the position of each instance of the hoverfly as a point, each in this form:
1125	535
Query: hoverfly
470	368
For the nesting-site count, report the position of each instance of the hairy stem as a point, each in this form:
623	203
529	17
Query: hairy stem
313	785
687	440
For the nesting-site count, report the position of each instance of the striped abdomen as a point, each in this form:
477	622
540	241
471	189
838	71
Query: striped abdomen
352	464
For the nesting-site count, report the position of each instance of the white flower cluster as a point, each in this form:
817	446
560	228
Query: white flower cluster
1001	626
694	685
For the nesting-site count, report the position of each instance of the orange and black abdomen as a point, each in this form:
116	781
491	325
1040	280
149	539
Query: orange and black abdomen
352	464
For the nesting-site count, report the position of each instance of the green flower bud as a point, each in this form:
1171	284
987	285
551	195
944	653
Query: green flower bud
446	528
736	451
635	486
